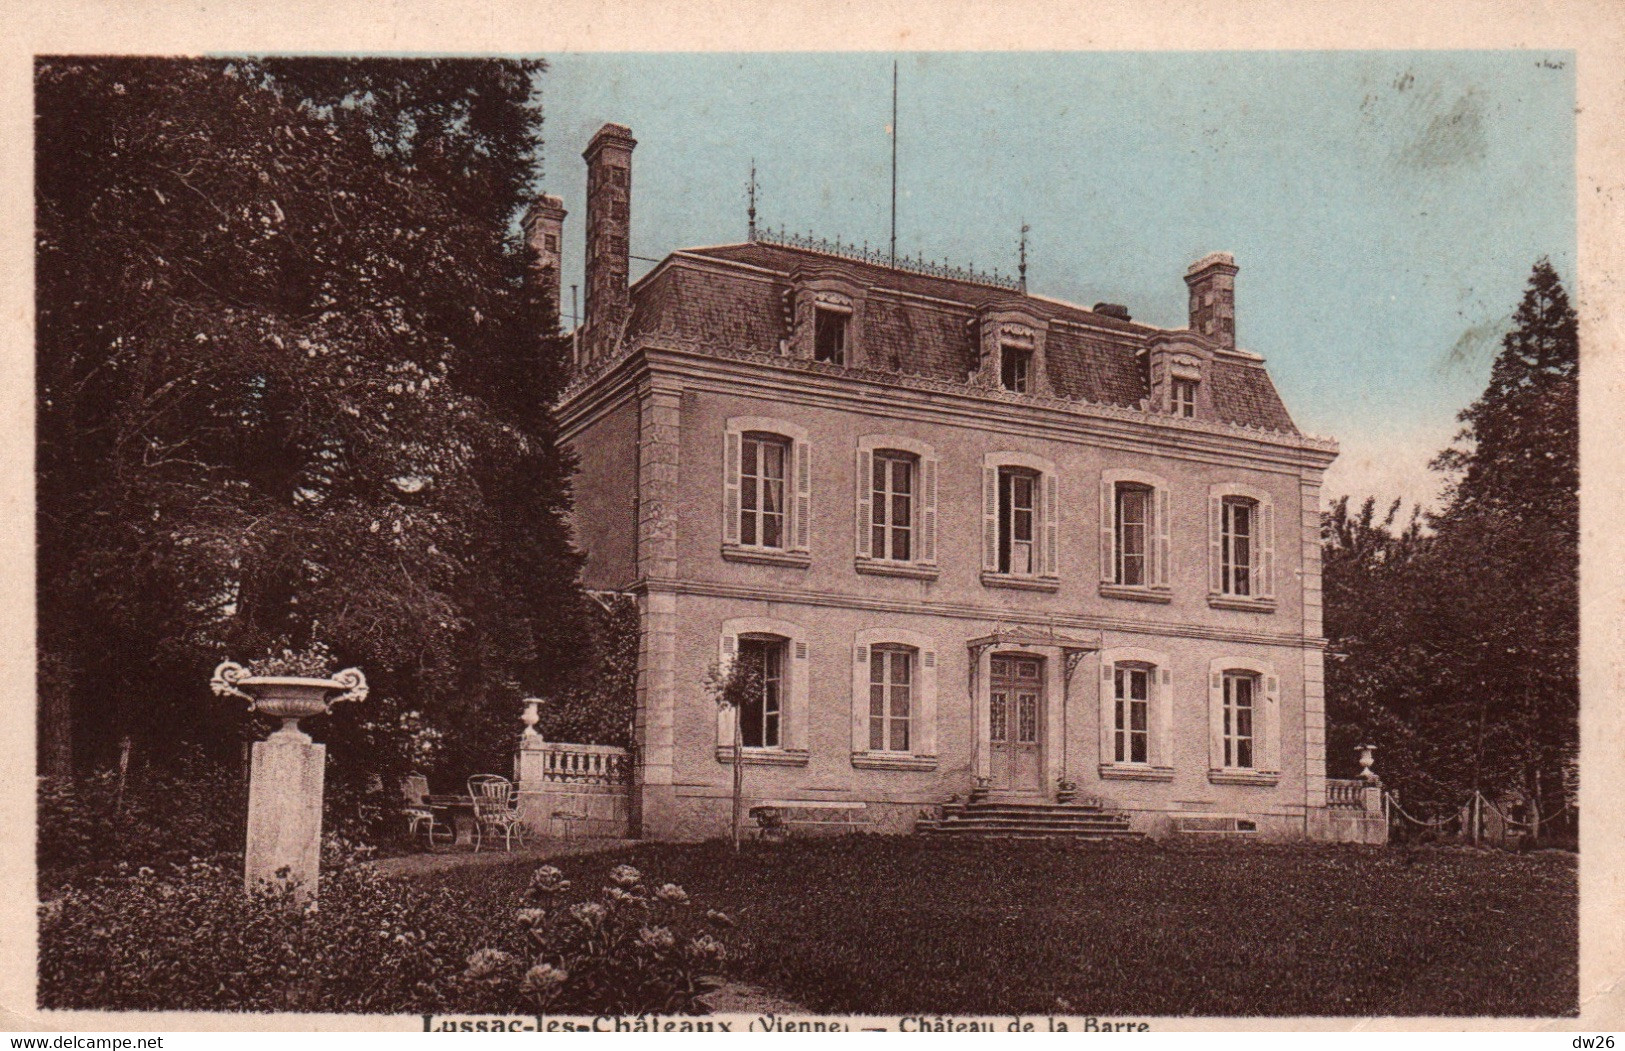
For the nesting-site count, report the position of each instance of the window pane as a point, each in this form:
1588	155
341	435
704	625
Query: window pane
899	735
770	731
1244	753
997	717
901	548
878	541
1026	718
770	530
1138	681
877	734
899	702
877	699
1138	752
1137	712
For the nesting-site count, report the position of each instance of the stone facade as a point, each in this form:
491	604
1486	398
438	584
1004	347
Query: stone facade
1076	529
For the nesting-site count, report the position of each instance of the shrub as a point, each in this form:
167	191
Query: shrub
198	808
189	938
633	950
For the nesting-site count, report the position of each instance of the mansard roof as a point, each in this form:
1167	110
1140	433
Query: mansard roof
734	297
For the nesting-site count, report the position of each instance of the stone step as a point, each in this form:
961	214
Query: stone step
1085	835
1022	819
1036	826
1013	812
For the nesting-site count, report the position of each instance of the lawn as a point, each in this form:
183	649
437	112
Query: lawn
882	925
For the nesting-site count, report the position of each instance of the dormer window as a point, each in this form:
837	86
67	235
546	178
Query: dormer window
1184	397
1015	367
829	335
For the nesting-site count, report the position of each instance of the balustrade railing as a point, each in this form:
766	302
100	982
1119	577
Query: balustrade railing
585	764
1345	794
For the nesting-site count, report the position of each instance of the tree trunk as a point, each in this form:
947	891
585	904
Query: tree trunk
739	778
55	732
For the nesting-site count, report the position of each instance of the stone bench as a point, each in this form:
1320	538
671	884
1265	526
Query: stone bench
779	819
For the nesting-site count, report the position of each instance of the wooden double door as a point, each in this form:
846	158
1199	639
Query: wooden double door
1015	727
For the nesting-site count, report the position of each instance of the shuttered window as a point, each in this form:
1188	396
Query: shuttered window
1241	537
766	486
762	515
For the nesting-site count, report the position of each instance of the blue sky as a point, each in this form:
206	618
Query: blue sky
1385	208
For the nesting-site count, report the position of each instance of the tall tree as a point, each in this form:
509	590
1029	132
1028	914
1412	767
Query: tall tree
1505	595
292	388
1456	646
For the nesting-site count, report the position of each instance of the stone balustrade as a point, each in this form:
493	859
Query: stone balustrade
573	791
1345	794
584	764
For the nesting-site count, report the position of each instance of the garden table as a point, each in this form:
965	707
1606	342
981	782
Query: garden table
461	810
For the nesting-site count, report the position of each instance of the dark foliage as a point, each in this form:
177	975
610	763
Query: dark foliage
129	941
132	942
633	947
596	704
191	807
1456	650
292	388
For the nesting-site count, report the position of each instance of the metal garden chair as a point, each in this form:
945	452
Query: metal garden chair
496	809
421	816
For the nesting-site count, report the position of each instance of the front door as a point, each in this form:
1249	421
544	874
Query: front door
1015	715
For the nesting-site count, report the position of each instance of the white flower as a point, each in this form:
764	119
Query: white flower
486	962
625	875
657	937
672	894
544	978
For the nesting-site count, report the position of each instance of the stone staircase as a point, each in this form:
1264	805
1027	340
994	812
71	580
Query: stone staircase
1019	819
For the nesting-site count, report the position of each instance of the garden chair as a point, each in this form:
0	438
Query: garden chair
419	815
496	809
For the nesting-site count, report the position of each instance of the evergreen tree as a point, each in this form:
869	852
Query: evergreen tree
1457	649
1503	597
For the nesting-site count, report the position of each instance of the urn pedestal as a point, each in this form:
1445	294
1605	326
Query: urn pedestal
284	844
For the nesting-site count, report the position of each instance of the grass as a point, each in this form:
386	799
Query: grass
883	925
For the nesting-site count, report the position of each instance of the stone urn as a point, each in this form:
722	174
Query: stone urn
285	785
288	697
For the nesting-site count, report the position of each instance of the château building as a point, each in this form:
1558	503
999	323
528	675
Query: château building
975	541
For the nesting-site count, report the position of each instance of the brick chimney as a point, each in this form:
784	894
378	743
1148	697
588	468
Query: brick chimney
1212	281
609	213
544	233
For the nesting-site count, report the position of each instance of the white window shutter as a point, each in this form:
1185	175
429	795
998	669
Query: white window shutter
860	698
803	452
1108	712
923	731
928	510
1215	720
1162	727
1108	533
1164	566
1052	526
865	525
1266	530
1215	541
730	487
793	719
1270	759
990	518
